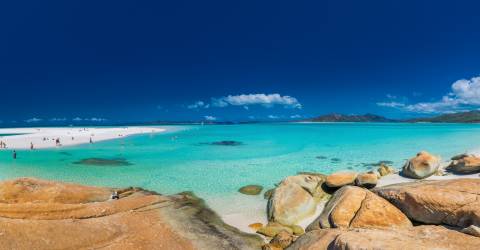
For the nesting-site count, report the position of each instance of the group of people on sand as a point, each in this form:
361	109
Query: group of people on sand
3	144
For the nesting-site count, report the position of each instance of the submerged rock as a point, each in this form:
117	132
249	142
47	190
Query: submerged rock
452	202
465	164
421	237
340	179
224	143
354	207
38	214
115	162
421	166
251	189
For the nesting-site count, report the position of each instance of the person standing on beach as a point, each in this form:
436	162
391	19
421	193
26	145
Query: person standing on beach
31	145
91	140
14	154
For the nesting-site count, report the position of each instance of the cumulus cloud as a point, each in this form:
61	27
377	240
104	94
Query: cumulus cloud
273	116
210	118
34	119
92	119
267	100
198	104
295	116
58	119
464	95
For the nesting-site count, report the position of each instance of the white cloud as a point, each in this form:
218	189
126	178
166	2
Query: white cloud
464	95
198	104
210	118
76	119
273	117
251	117
295	116
267	100
95	119
34	119
58	119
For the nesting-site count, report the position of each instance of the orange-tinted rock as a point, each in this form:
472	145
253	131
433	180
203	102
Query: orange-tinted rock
295	199
421	166
421	237
340	179
366	180
255	226
453	202
468	164
354	207
385	170
38	214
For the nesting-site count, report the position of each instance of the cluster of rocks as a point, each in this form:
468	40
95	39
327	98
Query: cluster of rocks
425	164
347	211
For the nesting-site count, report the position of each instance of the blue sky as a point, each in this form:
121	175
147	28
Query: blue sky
225	60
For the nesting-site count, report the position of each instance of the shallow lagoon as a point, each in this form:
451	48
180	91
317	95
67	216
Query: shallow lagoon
214	161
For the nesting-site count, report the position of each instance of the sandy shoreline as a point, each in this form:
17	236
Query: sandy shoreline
46	137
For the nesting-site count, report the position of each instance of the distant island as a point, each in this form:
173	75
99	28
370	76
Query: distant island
461	117
350	118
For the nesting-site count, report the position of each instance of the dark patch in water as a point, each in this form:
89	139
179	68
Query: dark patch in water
223	143
335	160
102	162
321	157
377	164
65	153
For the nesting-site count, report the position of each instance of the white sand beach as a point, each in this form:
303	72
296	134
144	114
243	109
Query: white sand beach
46	137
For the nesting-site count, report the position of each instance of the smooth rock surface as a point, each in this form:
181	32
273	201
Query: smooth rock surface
411	238
465	164
385	170
453	202
421	166
340	179
38	214
251	189
366	180
295	198
355	207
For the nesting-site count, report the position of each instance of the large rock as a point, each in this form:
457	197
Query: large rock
421	238
37	214
290	203
366	180
354	207
340	179
421	166
465	164
452	202
295	199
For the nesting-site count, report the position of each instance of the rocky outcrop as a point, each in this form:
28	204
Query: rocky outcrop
251	189
452	202
465	164
421	166
385	170
38	214
295	199
366	180
340	179
421	237
354	207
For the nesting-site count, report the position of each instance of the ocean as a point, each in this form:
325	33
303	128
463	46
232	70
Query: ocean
215	160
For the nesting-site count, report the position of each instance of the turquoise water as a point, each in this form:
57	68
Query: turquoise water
183	159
